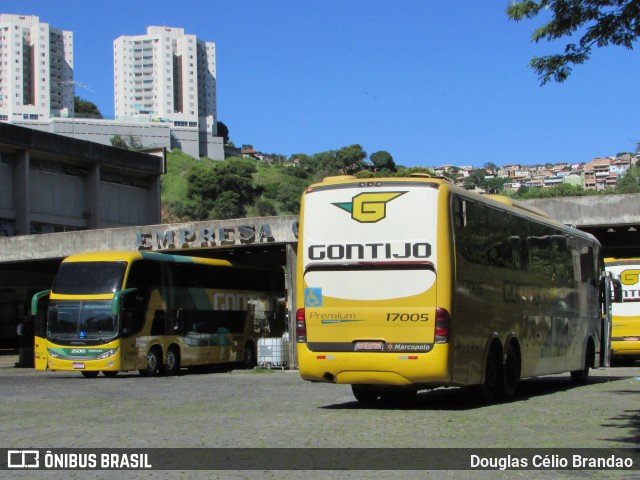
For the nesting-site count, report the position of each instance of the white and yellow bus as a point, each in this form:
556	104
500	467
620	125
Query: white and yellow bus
625	322
412	283
124	311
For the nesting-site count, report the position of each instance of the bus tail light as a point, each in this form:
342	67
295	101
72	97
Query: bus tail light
301	326
443	322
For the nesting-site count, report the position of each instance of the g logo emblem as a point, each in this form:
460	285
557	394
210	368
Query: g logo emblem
629	277
369	207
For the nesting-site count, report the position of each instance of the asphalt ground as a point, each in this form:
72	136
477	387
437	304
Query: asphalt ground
276	409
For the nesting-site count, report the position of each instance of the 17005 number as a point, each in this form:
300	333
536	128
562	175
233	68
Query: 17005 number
407	317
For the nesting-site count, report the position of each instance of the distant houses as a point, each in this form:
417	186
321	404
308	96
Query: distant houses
598	174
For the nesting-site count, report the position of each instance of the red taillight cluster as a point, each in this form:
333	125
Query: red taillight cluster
443	322
301	326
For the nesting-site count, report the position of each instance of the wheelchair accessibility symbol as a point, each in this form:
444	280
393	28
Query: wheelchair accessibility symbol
312	297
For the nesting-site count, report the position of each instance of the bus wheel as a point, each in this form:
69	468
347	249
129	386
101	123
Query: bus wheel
402	395
249	356
489	389
110	373
153	364
510	374
89	374
172	363
582	376
366	394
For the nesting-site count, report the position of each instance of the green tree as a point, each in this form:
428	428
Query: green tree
118	141
228	205
630	181
598	22
223	131
128	142
383	161
85	108
219	190
350	159
475	179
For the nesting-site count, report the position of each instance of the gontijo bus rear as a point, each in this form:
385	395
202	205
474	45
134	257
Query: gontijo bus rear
625	322
409	283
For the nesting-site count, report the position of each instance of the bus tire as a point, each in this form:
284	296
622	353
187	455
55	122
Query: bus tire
488	390
172	362
154	364
365	394
510	372
249	356
582	376
402	395
110	373
90	374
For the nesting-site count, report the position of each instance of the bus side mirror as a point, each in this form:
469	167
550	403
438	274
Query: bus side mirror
36	299
617	290
116	302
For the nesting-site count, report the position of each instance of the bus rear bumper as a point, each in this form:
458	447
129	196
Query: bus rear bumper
628	346
375	368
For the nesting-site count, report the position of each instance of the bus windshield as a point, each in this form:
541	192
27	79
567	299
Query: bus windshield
84	278
71	320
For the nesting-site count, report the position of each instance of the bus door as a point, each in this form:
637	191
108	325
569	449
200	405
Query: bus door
39	310
130	304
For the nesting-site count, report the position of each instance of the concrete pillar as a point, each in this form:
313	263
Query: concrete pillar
21	193
92	197
291	303
154	215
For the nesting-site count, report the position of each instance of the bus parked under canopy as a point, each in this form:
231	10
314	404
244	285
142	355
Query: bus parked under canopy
121	311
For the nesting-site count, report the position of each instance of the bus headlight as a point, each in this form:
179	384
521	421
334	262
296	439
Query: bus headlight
107	354
52	354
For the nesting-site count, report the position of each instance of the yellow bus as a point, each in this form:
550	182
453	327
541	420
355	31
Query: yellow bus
625	322
412	283
124	311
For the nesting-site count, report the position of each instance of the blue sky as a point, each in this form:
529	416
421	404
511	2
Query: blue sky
430	82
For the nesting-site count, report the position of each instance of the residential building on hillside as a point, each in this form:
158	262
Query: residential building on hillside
165	74
599	174
36	71
165	87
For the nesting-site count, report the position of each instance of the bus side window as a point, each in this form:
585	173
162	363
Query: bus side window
158	325
133	311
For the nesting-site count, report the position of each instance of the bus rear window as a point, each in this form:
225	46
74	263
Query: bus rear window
368	281
84	278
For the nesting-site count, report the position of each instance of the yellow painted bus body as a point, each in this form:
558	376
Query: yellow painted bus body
183	320
625	323
414	282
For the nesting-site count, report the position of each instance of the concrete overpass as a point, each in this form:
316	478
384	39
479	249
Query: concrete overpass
31	260
613	219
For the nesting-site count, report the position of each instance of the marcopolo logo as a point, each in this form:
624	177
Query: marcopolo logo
369	207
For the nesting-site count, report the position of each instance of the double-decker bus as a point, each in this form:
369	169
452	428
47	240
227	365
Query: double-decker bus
124	311
625	321
412	283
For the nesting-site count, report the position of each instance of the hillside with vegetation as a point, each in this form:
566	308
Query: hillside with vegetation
204	189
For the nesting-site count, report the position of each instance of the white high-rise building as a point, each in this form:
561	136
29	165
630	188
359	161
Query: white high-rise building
36	69
166	75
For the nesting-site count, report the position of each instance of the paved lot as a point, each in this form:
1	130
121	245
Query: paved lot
277	409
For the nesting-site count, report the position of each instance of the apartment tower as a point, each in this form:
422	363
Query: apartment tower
166	75
36	69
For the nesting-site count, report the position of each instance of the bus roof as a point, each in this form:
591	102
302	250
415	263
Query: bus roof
514	206
130	256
